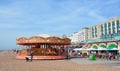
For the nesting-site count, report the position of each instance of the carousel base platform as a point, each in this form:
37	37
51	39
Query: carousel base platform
43	57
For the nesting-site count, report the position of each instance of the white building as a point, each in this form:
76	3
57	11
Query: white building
80	36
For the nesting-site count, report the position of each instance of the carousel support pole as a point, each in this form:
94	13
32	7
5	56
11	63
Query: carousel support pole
39	48
42	49
45	50
52	49
59	50
29	48
47	46
66	50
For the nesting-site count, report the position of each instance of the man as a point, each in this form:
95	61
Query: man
31	56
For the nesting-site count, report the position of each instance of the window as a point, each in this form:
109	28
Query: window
113	23
118	23
109	31
113	26
92	35
109	27
118	26
101	29
113	31
95	31
109	24
92	32
105	28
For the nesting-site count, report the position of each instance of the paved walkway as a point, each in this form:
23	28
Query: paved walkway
112	63
9	63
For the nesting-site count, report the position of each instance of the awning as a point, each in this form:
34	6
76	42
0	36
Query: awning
95	47
112	47
78	49
102	46
91	48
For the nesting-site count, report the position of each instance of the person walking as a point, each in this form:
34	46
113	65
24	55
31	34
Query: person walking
107	56
110	55
31	56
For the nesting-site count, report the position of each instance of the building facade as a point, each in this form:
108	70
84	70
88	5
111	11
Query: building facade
109	30
105	35
80	36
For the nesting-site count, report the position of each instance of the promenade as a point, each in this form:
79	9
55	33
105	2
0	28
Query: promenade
9	63
110	63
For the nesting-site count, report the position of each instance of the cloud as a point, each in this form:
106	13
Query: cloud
61	17
38	14
7	26
96	16
78	14
11	10
112	2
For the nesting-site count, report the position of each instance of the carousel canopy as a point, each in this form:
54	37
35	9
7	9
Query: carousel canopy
34	40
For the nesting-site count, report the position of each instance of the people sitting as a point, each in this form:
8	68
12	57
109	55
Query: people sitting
27	59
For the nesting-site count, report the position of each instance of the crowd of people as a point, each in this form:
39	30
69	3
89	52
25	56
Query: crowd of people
109	55
7	52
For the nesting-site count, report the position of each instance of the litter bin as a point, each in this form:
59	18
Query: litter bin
92	57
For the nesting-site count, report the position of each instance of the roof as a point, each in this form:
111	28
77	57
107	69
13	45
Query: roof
37	40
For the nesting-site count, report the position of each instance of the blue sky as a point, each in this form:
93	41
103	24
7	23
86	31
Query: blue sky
54	17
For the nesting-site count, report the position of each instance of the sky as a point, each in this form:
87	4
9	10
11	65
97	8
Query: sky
26	18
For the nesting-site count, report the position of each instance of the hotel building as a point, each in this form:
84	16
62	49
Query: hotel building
106	34
109	30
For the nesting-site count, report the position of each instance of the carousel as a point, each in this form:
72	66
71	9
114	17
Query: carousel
50	47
